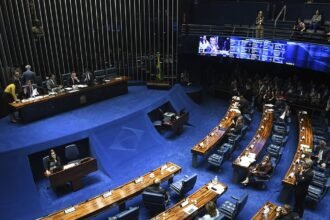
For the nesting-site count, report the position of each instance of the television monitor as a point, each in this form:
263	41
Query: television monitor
301	54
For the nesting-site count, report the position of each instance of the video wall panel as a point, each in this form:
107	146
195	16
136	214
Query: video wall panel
306	55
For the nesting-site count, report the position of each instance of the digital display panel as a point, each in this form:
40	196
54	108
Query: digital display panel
306	55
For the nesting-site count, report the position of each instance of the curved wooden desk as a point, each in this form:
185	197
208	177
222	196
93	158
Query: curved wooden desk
213	137
271	214
252	151
48	105
194	203
304	150
117	196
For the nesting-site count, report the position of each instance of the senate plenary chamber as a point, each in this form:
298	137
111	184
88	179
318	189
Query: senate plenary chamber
164	109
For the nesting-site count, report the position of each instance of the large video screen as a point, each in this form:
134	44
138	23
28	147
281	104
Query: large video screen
306	55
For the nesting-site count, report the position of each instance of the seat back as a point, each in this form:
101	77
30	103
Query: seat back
154	201
71	152
131	214
242	201
45	162
188	184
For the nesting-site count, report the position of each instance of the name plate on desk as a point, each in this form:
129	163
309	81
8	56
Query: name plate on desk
107	194
216	188
69	210
190	209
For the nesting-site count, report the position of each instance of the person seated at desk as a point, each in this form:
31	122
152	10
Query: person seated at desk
322	155
74	79
51	83
156	188
9	96
238	124
30	90
260	170
285	212
54	163
88	77
211	211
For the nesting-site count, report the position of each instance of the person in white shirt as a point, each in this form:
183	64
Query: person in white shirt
212	212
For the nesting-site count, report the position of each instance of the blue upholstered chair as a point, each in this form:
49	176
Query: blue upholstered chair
216	160
281	129
130	214
316	193
231	209
261	182
279	139
45	162
72	153
275	151
154	202
184	185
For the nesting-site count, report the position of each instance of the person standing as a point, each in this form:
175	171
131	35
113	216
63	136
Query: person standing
10	96
260	25
28	75
303	178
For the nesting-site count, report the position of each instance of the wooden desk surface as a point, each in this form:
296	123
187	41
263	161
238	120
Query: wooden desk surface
45	98
199	199
119	195
271	214
207	144
305	139
259	140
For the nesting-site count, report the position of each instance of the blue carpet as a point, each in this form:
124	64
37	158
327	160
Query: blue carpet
126	146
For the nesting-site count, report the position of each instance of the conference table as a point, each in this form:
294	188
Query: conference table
189	207
252	151
117	196
69	98
304	150
73	173
267	211
208	143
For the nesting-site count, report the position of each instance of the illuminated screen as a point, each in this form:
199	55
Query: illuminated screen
306	55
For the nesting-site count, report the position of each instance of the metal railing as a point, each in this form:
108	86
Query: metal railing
283	11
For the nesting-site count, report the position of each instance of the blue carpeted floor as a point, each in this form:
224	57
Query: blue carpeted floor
126	145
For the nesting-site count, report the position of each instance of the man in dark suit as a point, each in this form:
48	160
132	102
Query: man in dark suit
51	82
156	188
28	75
303	178
322	155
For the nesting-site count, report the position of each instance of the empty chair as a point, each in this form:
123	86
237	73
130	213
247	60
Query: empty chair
279	139
231	209
130	214
315	193
233	140
72	153
275	151
155	202
216	160
184	185
281	129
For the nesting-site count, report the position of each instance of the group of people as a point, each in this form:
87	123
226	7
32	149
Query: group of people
299	27
24	86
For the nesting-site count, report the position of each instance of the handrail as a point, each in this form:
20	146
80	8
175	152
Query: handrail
283	10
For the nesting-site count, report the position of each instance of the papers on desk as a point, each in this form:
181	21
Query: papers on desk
247	160
69	210
169	114
70	165
68	88
190	209
216	188
171	168
81	86
139	180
